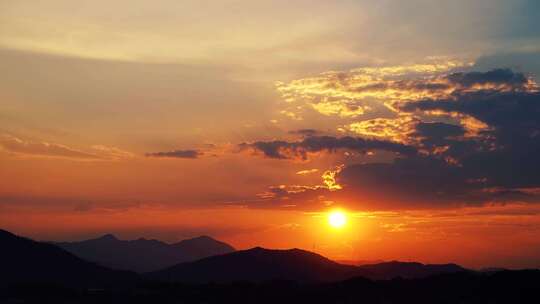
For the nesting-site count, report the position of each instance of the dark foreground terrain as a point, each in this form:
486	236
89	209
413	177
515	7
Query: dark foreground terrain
464	287
37	272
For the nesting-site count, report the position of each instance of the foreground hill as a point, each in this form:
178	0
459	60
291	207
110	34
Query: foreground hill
463	288
259	264
24	260
144	255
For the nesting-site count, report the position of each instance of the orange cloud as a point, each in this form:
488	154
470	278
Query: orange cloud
329	178
306	172
395	129
345	93
18	146
351	94
283	194
43	149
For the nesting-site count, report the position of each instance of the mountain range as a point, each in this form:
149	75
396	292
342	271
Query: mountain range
143	255
25	260
260	264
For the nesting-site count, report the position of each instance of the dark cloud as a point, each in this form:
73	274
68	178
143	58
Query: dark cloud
300	149
498	76
177	154
500	163
305	132
410	181
494	108
438	130
529	61
497	165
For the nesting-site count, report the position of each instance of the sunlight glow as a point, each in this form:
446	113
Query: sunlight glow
337	219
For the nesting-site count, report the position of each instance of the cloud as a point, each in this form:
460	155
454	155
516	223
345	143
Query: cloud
190	154
496	109
306	172
500	159
473	140
394	129
353	93
305	132
280	196
314	144
112	152
43	149
18	146
350	94
60	203
497	78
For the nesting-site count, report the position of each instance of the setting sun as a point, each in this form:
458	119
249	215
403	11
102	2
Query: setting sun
337	219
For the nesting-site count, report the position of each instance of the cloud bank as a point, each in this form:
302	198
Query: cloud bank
461	138
315	144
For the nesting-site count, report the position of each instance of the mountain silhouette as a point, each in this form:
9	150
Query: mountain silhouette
26	261
36	272
143	255
259	264
22	259
405	270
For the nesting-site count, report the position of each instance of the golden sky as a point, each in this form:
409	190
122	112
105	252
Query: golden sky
250	120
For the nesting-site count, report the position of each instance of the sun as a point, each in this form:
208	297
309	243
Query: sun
337	219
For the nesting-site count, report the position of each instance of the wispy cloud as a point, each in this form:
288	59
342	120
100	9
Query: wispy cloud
18	146
189	154
43	149
349	94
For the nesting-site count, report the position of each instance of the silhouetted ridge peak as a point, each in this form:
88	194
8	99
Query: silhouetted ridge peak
262	249
202	238
108	237
257	249
294	255
258	264
5	234
395	263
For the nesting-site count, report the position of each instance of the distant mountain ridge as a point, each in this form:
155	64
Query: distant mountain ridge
143	255
25	260
259	264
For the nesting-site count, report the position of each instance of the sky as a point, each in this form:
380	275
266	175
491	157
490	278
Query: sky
250	121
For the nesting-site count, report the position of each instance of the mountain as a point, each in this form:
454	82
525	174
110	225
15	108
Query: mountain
144	255
259	264
406	270
23	260
359	262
